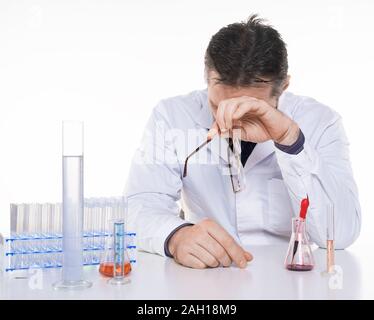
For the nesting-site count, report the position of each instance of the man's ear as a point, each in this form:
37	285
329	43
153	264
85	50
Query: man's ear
206	76
286	83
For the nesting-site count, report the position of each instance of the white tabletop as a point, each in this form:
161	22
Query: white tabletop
156	277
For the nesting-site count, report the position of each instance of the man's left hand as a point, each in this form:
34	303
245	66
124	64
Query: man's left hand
257	120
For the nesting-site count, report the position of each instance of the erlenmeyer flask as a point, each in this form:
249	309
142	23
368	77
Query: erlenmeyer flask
116	262
299	255
107	266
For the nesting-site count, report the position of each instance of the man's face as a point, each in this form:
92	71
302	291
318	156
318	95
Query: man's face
218	92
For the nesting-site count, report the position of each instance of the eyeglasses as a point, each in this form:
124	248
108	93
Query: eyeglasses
192	153
234	163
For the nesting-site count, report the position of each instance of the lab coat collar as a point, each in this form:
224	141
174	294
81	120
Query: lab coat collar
259	153
205	117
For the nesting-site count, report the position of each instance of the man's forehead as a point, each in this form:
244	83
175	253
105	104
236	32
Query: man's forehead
218	92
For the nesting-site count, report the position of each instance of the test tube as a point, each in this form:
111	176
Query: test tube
330	239
49	235
72	203
16	222
58	227
93	214
2	255
52	234
237	170
43	232
85	243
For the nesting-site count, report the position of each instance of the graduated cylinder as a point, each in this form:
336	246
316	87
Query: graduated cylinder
72	205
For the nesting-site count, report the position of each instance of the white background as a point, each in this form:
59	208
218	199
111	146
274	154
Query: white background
108	63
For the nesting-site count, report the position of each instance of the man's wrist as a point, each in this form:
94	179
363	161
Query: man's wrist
294	148
169	250
290	137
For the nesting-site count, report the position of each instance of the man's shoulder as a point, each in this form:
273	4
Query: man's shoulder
300	106
191	102
181	111
312	116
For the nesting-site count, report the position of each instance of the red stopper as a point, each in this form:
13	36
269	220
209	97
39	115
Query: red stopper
304	207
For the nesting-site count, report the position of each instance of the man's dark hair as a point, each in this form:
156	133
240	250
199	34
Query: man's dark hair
247	53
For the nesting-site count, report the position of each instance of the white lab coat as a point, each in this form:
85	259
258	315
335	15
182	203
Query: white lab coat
276	182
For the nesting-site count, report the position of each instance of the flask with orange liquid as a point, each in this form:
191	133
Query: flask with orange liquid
115	262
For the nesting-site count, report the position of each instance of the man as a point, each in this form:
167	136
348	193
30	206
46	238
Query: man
292	147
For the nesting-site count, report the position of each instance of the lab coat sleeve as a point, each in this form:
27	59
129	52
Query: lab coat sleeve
322	171
154	185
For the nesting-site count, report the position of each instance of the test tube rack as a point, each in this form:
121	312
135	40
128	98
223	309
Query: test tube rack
45	250
36	233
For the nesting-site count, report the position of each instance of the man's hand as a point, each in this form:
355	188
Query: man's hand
257	120
206	244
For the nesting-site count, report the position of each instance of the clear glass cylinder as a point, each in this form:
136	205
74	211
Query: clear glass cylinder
72	206
299	254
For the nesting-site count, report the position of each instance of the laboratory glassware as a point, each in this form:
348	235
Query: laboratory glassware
299	254
72	202
236	169
115	261
23	249
330	251
121	263
2	255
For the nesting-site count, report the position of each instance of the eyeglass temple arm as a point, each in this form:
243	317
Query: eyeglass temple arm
192	153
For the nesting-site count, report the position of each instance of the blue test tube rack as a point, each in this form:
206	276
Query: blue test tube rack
26	251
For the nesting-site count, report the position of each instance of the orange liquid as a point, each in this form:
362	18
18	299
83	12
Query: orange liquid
107	268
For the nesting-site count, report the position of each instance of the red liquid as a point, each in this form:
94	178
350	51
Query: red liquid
106	269
299	267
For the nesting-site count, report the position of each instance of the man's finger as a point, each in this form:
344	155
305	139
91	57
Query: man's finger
246	107
235	251
204	256
229	111
248	256
213	130
220	116
214	247
193	262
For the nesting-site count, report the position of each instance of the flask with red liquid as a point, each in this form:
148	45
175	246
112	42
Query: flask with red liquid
299	254
107	268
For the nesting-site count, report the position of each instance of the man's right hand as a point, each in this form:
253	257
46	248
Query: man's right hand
206	244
